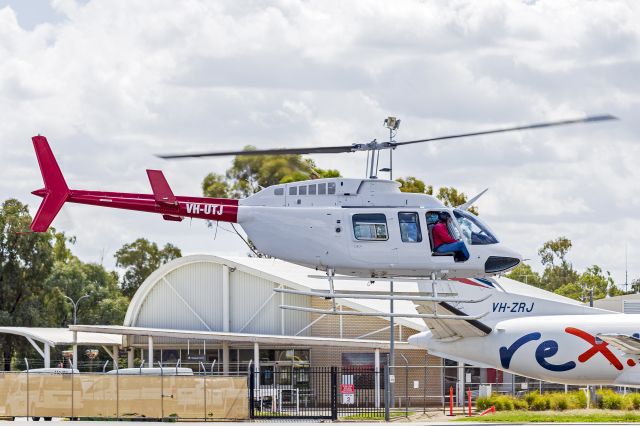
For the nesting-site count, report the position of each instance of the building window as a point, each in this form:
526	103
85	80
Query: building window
370	227
361	365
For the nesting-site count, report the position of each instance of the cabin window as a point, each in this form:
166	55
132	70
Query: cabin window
293	190
302	190
331	188
312	189
370	227
322	188
278	191
409	227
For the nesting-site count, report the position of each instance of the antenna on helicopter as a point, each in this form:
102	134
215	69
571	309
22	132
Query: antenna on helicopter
393	124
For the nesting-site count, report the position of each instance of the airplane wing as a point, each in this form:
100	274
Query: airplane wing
451	328
624	342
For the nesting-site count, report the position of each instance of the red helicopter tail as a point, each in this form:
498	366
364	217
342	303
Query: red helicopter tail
55	191
161	201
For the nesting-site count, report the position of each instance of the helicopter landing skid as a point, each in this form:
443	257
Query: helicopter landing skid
435	297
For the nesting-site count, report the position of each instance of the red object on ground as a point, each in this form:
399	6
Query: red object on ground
451	400
469	397
491	410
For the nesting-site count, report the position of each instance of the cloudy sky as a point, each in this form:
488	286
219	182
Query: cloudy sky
110	83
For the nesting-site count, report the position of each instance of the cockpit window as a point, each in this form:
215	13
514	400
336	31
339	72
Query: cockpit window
474	231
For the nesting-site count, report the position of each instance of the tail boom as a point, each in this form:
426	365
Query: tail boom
218	209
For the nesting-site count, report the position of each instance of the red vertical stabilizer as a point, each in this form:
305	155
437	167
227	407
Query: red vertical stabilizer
55	191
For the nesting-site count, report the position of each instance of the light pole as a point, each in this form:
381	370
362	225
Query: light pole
75	306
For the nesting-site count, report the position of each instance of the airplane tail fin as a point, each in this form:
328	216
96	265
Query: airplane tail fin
55	191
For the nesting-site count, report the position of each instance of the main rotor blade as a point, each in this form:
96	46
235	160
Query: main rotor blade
587	119
275	151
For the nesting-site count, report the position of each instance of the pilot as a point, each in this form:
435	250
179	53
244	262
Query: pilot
444	242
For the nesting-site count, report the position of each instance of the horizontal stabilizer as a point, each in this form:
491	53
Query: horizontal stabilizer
624	342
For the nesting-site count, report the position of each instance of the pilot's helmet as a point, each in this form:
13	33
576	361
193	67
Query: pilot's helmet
443	216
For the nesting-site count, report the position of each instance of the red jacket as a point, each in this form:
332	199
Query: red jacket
441	235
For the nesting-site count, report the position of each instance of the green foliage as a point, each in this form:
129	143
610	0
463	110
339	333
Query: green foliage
501	402
25	263
525	274
593	278
249	173
104	304
414	185
608	399
216	186
140	259
449	196
534	401
523	417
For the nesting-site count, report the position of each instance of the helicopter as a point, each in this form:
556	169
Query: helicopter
354	227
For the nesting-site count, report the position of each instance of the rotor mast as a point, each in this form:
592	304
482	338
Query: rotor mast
374	147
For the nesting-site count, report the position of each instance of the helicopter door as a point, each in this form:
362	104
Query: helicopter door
370	238
432	218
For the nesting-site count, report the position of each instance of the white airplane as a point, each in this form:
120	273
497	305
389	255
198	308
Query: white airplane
531	332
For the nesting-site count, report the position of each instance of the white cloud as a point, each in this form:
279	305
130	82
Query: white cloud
113	82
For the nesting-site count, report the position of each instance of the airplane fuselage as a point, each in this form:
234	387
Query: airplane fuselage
561	349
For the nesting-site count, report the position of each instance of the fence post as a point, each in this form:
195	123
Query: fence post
387	415
334	393
451	400
252	382
27	363
469	397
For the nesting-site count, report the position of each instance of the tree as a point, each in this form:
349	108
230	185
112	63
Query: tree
449	196
635	285
594	278
250	173
558	270
140	259
25	263
414	185
215	185
105	304
525	274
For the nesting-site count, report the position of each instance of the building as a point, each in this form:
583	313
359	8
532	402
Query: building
626	304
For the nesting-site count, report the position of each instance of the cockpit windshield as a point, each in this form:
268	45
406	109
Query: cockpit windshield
473	230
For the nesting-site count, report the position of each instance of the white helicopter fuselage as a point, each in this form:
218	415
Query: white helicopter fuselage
360	227
538	334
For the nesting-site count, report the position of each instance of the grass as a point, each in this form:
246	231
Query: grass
375	416
569	416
